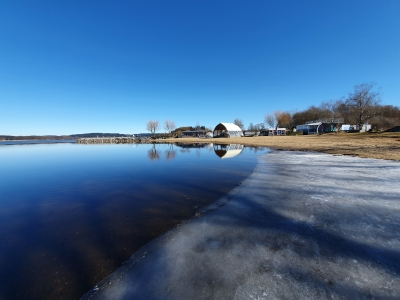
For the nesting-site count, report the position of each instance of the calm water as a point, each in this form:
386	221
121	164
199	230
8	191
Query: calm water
28	142
70	214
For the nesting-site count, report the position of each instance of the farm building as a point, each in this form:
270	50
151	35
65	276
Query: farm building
227	130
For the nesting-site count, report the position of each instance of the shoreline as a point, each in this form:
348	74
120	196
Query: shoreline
384	145
251	242
366	145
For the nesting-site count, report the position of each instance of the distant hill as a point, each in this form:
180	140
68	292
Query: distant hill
97	134
59	137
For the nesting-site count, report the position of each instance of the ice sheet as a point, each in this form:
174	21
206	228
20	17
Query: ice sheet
302	226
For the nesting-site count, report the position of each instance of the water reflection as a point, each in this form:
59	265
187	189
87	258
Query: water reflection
70	214
170	153
194	145
153	153
223	151
185	147
228	151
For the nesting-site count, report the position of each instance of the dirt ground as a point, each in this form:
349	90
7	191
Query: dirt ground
368	145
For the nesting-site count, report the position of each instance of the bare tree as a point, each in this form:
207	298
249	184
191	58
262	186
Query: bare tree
239	123
259	126
363	101
270	120
331	107
283	118
169	126
152	126
312	113
388	116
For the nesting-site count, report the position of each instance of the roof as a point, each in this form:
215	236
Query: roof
228	127
394	129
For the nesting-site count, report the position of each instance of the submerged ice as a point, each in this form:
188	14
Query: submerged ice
302	226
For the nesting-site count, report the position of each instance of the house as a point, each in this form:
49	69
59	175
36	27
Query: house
355	128
274	131
321	126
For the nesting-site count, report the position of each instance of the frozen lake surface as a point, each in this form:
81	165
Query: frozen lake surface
302	226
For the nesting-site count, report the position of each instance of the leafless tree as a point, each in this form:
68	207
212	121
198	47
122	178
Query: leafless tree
362	102
270	120
283	118
169	126
332	107
312	113
387	116
239	123
152	126
260	126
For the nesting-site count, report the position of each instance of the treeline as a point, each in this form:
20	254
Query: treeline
361	106
34	137
170	128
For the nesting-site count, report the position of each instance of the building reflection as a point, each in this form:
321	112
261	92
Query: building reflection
221	150
228	151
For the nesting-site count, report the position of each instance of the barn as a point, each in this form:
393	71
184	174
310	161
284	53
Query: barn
227	130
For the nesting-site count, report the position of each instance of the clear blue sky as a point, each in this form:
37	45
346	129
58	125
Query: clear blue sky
110	66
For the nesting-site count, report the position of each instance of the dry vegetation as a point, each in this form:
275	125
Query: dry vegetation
370	145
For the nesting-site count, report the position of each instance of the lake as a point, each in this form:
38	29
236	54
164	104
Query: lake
70	214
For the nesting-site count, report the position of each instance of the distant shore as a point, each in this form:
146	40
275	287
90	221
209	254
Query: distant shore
367	145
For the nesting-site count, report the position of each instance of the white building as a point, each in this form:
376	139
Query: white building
227	130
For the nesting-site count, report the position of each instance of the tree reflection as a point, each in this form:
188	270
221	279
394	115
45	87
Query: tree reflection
170	153
185	150
153	154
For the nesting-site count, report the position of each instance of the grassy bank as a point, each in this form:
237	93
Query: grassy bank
369	145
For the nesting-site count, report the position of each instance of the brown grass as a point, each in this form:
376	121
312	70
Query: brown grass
370	145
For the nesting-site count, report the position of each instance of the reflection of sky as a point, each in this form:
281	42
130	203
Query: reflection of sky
73	200
71	164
